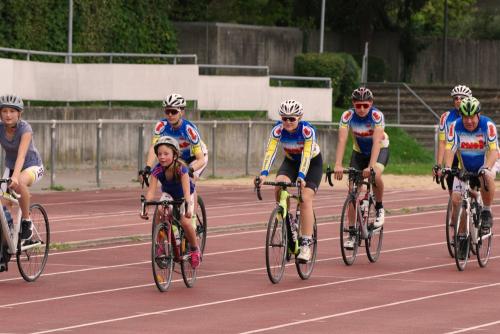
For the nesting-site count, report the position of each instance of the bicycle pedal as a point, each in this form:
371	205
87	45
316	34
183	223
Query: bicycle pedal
4	267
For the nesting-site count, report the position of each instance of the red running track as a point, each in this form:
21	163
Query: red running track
414	287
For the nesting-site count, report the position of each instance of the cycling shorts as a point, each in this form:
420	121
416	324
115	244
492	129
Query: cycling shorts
290	168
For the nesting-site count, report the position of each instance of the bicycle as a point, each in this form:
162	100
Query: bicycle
364	217
32	254
169	243
283	234
469	213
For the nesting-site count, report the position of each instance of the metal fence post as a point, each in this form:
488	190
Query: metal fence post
399	103
98	152
53	153
214	149
247	165
140	147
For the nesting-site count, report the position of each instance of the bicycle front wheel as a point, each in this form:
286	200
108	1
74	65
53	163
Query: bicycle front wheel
483	247
349	236
373	243
450	229
276	246
32	254
187	271
462	242
201	224
162	257
305	269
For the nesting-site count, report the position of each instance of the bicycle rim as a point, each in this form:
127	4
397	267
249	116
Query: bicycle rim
33	254
483	248
162	257
461	262
201	224
187	271
348	255
276	246
373	243
450	230
305	269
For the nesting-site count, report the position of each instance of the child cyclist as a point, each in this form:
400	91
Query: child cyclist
370	146
23	162
173	175
302	163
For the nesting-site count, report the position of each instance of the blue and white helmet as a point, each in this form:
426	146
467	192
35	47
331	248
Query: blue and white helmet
291	108
11	101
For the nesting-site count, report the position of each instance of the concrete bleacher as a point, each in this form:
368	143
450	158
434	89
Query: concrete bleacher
413	112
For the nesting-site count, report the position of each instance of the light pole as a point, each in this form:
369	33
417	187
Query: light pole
69	59
322	29
445	37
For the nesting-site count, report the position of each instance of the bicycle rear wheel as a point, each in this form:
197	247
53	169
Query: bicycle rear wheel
462	243
32	254
346	232
450	229
373	243
276	246
305	269
162	258
483	247
201	224
187	271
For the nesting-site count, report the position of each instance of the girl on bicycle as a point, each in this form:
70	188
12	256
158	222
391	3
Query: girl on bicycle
173	174
302	164
23	162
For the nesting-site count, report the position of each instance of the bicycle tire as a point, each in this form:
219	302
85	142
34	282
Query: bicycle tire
201	224
276	246
162	257
32	254
349	255
461	262
483	247
305	269
476	219
450	229
187	271
373	243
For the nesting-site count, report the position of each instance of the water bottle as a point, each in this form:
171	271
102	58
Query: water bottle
176	240
8	217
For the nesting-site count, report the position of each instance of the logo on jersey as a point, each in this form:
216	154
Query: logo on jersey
442	120
306	132
277	131
159	127
377	116
475	145
492	132
346	116
192	134
451	131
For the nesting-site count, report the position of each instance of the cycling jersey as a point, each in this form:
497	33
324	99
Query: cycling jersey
186	134
300	145
362	129
446	119
471	146
172	187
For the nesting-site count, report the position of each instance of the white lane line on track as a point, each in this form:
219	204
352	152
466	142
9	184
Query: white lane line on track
294	290
375	307
468	329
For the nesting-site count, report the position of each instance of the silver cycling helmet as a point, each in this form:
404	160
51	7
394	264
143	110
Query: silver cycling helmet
174	100
291	108
167	140
11	101
461	90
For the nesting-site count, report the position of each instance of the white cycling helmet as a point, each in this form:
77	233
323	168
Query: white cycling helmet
11	101
174	101
291	108
461	90
167	140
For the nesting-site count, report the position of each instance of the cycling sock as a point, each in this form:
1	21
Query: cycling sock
306	240
378	205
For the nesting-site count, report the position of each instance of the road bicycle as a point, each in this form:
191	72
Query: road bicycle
283	234
470	238
169	243
449	227
31	254
358	217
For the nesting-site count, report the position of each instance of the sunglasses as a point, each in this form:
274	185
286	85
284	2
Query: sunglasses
289	119
361	105
455	98
171	111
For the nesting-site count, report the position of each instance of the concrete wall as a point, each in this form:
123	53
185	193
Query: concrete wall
129	82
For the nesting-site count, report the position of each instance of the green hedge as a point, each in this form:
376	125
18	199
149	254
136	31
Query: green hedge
377	70
340	67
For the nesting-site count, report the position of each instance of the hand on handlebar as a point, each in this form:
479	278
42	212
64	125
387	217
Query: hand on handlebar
339	172
144	174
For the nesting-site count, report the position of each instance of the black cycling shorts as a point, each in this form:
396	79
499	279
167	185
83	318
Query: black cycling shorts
361	161
291	168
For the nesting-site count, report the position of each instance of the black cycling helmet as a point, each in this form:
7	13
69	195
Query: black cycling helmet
362	94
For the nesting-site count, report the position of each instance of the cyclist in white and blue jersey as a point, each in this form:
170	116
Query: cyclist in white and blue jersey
473	138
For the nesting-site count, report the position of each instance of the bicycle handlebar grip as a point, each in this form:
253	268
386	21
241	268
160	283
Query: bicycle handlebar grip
256	183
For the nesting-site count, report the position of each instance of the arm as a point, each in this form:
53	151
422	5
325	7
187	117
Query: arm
339	154
272	146
378	135
21	156
153	184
